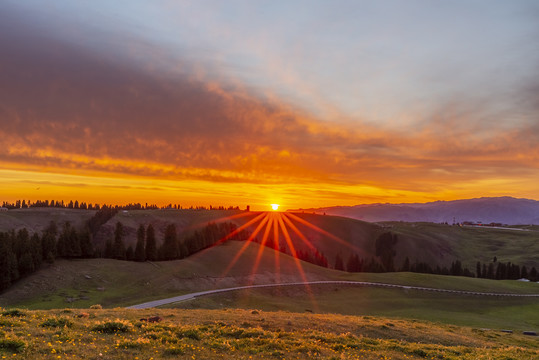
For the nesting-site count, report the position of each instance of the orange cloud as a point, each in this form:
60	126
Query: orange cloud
76	112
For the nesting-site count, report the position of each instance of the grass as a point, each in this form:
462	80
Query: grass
249	334
427	242
37	219
111	283
484	312
446	243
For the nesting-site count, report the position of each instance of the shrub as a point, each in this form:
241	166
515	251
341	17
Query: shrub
54	322
111	327
189	333
12	345
14	313
174	351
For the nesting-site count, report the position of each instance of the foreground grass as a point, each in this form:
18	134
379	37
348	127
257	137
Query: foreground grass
244	334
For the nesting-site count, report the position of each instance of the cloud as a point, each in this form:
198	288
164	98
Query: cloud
97	110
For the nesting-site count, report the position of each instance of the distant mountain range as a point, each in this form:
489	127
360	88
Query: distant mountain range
505	210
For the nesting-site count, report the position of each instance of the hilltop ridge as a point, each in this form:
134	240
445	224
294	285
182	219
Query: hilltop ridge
505	210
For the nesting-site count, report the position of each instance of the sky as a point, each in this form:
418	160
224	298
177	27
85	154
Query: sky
301	103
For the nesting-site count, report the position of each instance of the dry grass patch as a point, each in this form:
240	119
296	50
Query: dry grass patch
245	334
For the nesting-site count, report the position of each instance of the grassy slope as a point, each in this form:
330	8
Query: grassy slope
433	243
129	282
482	312
185	220
118	283
469	244
246	335
37	219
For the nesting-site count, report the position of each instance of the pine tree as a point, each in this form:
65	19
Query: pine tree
385	250
170	243
490	271
73	244
86	246
524	273
533	274
151	246
118	246
339	265
139	249
108	249
130	253
6	254
37	248
48	242
406	265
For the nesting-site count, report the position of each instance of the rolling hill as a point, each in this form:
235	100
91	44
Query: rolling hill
332	236
114	283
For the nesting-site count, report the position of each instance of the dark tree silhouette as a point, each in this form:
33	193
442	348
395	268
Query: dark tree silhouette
118	246
339	264
140	254
151	246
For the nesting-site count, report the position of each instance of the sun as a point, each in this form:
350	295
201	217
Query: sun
274	207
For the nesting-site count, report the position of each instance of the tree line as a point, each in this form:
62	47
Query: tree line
385	252
172	247
26	204
22	253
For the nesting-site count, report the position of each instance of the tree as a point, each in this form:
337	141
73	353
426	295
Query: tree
385	250
490	271
354	264
170	243
86	246
406	265
533	274
73	244
130	253
48	242
118	246
108	249
478	269
524	273
339	265
139	248
37	255
456	268
151	246
7	267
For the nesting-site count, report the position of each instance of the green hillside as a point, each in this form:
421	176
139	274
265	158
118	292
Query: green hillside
425	241
435	244
112	283
37	219
81	283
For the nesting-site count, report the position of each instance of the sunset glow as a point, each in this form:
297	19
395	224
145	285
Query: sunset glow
327	105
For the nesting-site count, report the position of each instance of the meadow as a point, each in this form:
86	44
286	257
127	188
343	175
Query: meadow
244	334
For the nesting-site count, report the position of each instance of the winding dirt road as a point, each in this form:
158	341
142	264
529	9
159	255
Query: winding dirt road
155	303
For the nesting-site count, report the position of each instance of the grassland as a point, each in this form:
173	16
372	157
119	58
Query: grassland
37	219
468	244
244	334
112	283
436	244
519	314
